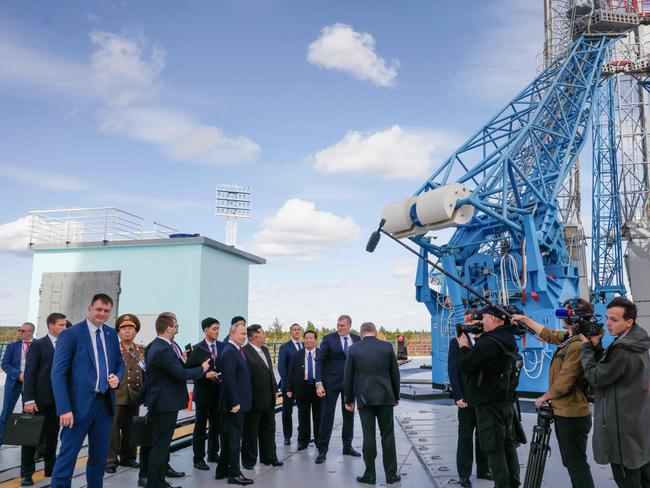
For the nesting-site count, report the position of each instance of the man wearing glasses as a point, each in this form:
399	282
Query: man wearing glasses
13	364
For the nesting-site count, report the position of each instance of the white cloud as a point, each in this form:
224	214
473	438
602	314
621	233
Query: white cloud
14	237
47	180
392	154
405	268
341	48
299	230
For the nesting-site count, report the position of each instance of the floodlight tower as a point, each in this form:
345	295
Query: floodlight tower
232	202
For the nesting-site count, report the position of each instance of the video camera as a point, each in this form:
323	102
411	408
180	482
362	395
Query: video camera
476	327
581	322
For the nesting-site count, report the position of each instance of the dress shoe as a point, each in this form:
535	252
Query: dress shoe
240	480
276	463
172	473
465	483
248	466
200	464
142	481
26	481
110	469
320	459
287	441
219	476
169	485
349	451
367	480
485	476
302	447
130	464
393	479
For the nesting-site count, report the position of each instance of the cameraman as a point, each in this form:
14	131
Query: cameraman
567	390
488	363
620	375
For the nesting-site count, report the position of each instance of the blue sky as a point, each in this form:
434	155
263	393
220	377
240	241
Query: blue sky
328	110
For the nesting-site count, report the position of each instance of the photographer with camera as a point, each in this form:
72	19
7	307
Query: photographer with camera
620	375
491	367
567	389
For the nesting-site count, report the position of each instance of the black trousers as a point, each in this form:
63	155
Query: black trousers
312	404
259	428
206	412
121	443
231	436
382	415
495	435
466	443
49	437
163	426
327	421
631	478
287	415
572	434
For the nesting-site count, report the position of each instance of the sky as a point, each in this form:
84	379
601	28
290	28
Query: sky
327	110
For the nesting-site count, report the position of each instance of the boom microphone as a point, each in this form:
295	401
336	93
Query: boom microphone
374	237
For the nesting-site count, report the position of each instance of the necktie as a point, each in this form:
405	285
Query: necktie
310	369
26	347
241	351
214	351
297	345
176	350
101	363
345	346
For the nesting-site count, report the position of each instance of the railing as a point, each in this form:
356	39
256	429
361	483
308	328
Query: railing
90	225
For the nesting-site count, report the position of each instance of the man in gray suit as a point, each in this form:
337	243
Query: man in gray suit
372	380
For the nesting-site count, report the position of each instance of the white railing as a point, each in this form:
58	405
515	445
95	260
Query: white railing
90	225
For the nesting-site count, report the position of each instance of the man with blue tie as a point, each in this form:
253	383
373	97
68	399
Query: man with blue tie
330	367
87	369
13	364
287	352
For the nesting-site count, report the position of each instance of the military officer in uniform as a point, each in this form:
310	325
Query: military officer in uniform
127	398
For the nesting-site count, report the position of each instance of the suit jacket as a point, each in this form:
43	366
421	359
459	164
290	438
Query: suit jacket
205	390
130	389
296	377
458	380
37	385
74	373
372	374
11	362
330	363
262	378
167	378
285	356
236	386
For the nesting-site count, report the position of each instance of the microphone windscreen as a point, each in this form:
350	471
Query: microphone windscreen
373	241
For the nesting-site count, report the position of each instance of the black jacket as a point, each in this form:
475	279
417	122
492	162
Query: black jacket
262	378
330	364
484	363
167	378
457	379
371	374
296	374
206	390
37	385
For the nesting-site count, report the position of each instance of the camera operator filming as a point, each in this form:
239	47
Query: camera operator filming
567	389
620	375
491	366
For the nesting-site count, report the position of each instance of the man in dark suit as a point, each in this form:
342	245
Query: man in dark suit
466	423
206	398
372	381
13	364
38	397
166	394
301	386
287	351
259	422
330	366
236	399
87	369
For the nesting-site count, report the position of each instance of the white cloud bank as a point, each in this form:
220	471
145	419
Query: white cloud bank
392	154
14	237
341	48
299	230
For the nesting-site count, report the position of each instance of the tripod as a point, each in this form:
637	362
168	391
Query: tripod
539	447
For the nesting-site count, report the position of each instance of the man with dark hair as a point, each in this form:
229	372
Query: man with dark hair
236	399
301	386
287	351
259	421
13	364
330	366
206	398
372	382
620	375
87	369
166	394
38	397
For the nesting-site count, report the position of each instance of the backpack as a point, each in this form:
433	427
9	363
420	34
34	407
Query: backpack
507	381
